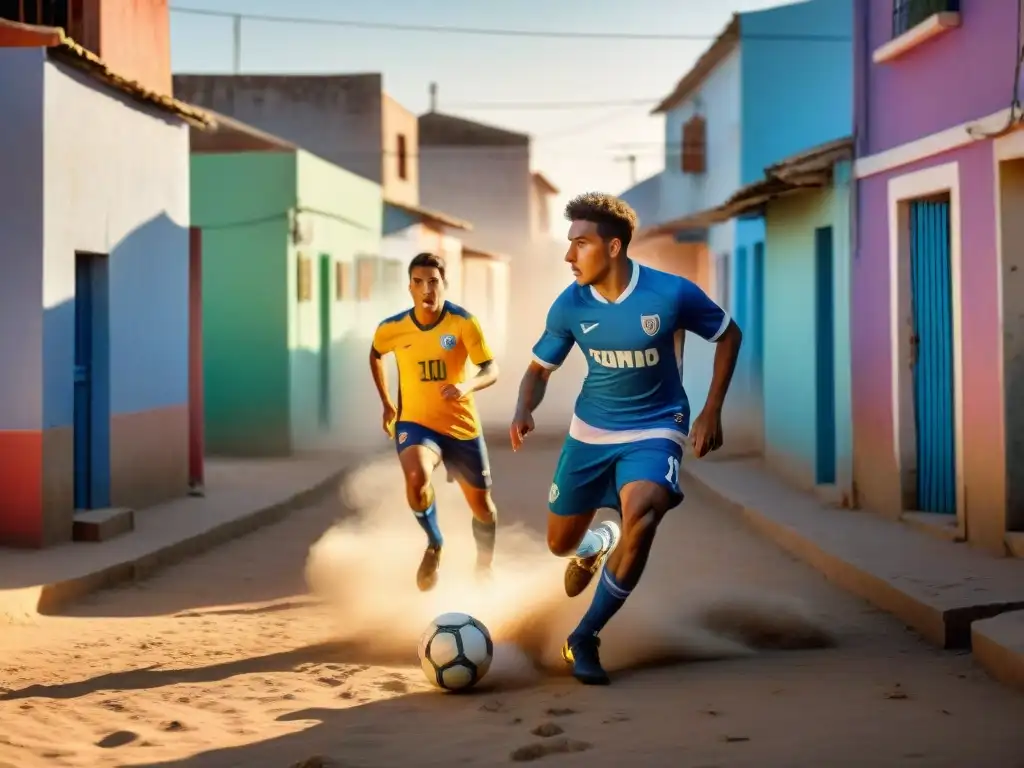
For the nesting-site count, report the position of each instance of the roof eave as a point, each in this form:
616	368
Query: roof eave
428	216
724	44
57	44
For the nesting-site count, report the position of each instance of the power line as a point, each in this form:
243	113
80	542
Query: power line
485	31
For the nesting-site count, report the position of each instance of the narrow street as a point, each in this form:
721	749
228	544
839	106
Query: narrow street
225	661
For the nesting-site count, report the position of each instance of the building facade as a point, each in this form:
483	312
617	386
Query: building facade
773	83
483	173
291	292
805	201
936	279
132	38
95	394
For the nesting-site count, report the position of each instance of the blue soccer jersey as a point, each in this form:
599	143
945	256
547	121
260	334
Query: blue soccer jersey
633	348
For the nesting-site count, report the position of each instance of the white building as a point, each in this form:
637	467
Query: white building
94	222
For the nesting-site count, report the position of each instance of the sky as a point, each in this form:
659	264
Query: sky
580	148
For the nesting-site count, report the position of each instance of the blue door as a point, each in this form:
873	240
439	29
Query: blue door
932	342
91	386
740	286
756	320
825	360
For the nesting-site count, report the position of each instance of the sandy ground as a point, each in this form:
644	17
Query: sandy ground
226	661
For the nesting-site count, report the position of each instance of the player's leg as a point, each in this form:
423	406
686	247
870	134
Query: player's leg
419	455
468	462
584	481
648	479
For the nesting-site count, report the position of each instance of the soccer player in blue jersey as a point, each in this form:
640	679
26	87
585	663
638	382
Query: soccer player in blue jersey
631	418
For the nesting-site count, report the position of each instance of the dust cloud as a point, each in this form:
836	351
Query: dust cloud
364	567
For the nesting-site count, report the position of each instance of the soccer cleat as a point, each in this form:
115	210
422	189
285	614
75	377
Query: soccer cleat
426	575
580	570
585	660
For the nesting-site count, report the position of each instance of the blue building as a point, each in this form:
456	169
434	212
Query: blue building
805	203
773	83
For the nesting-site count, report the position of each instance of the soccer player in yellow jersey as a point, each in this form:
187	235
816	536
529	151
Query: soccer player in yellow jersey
435	418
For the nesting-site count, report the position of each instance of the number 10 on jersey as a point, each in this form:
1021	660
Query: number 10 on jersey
433	370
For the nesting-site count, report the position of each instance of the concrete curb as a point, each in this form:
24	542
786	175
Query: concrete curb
942	623
58	595
998	645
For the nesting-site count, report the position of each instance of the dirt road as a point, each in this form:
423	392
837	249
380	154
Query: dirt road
223	661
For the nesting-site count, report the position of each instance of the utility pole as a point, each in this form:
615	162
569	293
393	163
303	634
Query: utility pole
433	97
236	48
631	159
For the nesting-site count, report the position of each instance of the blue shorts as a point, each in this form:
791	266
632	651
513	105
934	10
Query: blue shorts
590	476
465	459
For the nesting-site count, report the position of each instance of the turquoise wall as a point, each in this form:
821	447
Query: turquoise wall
340	213
242	202
790	351
797	76
842	222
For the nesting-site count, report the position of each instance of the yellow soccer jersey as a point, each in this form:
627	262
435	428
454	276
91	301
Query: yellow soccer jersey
428	358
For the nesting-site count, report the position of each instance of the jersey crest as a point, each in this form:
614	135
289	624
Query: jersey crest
448	341
651	324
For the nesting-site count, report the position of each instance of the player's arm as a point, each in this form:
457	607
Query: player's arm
548	355
481	356
382	344
701	315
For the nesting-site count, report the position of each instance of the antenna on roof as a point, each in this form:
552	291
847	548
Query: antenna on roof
433	97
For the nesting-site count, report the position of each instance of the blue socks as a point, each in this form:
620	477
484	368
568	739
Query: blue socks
608	598
428	522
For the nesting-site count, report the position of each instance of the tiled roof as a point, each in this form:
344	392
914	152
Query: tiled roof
60	46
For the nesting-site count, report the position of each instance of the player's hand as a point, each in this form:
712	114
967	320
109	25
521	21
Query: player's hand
522	425
453	392
388	420
706	432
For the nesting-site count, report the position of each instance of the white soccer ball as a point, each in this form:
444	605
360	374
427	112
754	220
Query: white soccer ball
456	651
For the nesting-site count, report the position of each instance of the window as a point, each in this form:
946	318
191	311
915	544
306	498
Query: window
342	280
907	14
694	148
365	274
403	159
304	278
66	14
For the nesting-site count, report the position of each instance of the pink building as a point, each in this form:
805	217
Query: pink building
938	289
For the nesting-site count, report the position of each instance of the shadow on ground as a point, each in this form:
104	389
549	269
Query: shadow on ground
267	565
154	676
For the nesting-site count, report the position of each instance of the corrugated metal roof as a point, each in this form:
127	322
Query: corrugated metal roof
62	47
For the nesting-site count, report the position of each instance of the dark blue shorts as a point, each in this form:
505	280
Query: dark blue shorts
465	459
590	476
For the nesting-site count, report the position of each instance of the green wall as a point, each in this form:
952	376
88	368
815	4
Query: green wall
340	215
790	380
242	203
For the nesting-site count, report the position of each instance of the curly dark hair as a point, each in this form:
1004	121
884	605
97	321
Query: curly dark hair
614	217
